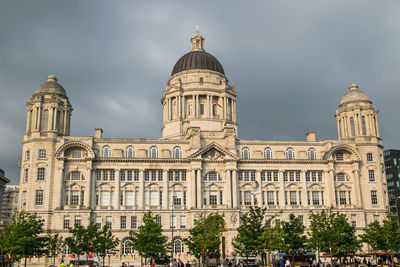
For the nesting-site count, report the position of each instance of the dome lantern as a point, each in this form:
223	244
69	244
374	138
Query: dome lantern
197	41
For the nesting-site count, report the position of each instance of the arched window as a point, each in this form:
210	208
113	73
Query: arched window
177	153
126	246
341	177
339	155
106	152
153	152
212	177
289	153
45	120
268	153
66	250
245	153
312	154
130	152
178	246
363	125
353	127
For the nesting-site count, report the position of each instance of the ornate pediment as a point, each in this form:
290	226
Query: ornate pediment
214	151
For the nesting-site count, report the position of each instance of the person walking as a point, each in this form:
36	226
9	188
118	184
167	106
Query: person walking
62	264
187	264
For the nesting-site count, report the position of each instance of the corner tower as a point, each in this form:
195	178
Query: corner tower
197	95
357	117
49	111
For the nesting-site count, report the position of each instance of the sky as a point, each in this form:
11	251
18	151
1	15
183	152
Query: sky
291	61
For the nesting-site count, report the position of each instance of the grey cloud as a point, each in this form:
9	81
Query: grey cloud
292	61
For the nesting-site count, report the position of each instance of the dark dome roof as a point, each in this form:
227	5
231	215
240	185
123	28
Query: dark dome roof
198	60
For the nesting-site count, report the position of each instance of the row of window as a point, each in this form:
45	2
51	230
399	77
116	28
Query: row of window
153	152
273	176
312	154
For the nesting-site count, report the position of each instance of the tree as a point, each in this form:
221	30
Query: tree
23	237
331	232
54	246
83	239
149	240
293	230
383	237
273	238
105	242
206	235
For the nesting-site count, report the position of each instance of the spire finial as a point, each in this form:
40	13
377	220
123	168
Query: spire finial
197	41
197	28
353	86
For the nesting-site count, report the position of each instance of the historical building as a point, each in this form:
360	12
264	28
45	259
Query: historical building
9	205
199	160
392	166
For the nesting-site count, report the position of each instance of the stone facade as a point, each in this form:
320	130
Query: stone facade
3	182
199	159
9	204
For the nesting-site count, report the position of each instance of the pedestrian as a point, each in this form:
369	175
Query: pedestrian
123	264
181	264
62	264
187	264
287	264
153	264
175	263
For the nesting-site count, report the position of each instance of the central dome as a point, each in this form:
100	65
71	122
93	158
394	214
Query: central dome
197	58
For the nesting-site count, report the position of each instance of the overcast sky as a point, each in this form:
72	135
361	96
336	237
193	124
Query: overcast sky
292	61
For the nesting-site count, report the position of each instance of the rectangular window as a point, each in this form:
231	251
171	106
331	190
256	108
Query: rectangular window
176	198
122	175
170	176
112	175
182	222
301	219
109	222
213	198
285	176
98	175
160	196
146	175
300	203
374	197
40	174
291	174
340	177
247	198
253	175
154	176
39	198
172	222
240	176
27	155
189	109
369	157
75	176
184	198
342	197
66	222
371	175
136	175
376	218
83	197
104	198
129	201
246	176
158	220
275	176
201	109
26	174
177	176
322	198
270	197
339	156
297	176
293	198
263	176
74	197
183	175
123	222
105	175
277	197
133	222
353	220
97	221
121	198
23	199
315	197
307	176
160	176
314	176
220	198
42	154
77	220
154	198
319	176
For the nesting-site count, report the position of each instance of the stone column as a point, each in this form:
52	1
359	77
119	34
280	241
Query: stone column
356	190
228	189
61	189
141	190
371	125
331	190
166	189
64	131
304	189
224	105
282	190
88	186
199	189
117	190
235	189
376	126
338	128
259	196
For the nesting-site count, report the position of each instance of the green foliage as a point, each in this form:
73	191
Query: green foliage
105	242
293	233
206	234
330	231
54	246
251	230
82	239
383	237
23	236
149	238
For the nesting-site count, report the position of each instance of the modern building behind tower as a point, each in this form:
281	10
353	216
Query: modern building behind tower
392	166
9	204
3	182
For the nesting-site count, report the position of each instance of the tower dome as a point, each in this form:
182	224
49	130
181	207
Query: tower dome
354	95
51	86
197	58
